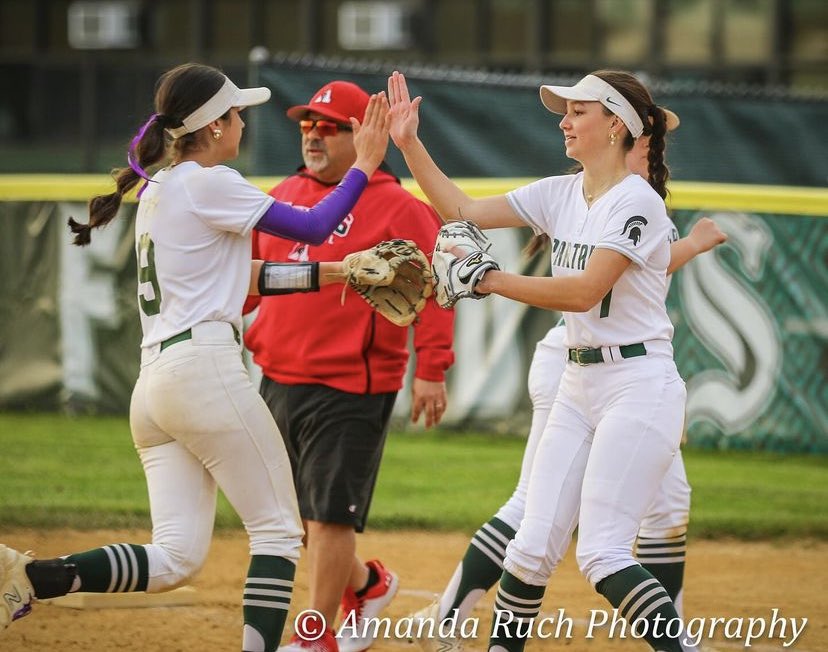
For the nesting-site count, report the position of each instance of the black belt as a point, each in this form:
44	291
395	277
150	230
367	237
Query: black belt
585	356
188	335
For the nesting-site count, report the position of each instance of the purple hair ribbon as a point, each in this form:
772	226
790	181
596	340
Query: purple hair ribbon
132	159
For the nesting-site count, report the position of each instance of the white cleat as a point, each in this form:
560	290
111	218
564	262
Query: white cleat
16	592
427	633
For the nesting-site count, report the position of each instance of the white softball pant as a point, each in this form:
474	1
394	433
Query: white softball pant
613	432
669	513
198	422
545	371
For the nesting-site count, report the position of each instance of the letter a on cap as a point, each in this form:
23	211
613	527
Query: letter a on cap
325	98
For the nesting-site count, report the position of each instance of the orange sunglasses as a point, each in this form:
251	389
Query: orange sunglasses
324	128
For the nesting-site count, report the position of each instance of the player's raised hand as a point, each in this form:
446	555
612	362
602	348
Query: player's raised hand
405	115
706	234
371	137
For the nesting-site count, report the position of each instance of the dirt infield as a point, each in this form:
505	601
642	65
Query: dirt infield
724	579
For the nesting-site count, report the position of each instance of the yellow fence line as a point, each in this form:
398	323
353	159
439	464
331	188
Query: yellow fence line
785	200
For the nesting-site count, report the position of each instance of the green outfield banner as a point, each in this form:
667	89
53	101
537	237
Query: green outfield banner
751	336
751	320
478	124
69	322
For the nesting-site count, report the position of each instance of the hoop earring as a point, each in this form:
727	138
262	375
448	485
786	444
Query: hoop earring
613	137
217	134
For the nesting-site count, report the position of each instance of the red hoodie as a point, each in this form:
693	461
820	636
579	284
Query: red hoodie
313	338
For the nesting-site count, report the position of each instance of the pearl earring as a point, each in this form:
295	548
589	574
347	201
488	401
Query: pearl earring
612	138
217	134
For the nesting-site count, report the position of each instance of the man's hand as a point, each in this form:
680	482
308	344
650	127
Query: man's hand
430	398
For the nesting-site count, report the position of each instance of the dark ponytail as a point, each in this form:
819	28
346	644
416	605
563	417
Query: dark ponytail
148	147
179	92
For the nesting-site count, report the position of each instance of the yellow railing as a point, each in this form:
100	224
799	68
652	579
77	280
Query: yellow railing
785	200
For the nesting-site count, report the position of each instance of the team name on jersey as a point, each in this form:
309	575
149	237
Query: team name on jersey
573	255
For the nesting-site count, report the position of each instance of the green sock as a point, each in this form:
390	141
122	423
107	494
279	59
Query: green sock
118	568
481	567
639	596
267	593
516	606
664	557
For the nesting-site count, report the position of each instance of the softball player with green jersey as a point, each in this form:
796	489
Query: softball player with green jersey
616	423
197	421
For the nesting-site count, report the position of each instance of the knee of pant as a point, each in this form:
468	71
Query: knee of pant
173	569
587	561
535	552
597	563
289	547
667	527
511	513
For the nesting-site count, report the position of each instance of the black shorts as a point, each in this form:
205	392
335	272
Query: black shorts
334	440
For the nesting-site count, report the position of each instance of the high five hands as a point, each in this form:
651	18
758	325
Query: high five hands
371	137
405	116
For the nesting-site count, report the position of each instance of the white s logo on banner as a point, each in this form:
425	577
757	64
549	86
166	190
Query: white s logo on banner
736	325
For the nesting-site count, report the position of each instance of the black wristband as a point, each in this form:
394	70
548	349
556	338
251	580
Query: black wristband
288	278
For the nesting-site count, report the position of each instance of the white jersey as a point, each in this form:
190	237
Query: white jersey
193	243
553	341
629	218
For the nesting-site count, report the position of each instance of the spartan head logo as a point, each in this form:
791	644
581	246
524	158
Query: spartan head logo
633	227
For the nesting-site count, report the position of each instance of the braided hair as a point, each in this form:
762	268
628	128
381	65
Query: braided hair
657	171
654	120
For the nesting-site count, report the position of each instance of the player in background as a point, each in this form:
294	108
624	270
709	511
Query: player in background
662	537
331	381
197	421
617	420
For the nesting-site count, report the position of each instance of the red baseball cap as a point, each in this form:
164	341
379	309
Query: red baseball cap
338	100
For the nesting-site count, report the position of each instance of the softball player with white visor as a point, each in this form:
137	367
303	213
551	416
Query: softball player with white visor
616	423
197	421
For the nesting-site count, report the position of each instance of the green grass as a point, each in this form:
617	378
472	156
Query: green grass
59	471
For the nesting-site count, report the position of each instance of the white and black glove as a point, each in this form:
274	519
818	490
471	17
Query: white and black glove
462	234
460	260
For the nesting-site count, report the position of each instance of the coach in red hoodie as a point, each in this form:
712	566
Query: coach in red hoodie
332	371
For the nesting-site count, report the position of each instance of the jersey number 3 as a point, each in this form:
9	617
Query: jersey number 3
147	275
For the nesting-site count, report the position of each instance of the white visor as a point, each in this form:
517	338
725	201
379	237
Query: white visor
228	96
593	89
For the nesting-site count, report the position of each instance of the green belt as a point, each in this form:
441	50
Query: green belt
585	356
188	335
